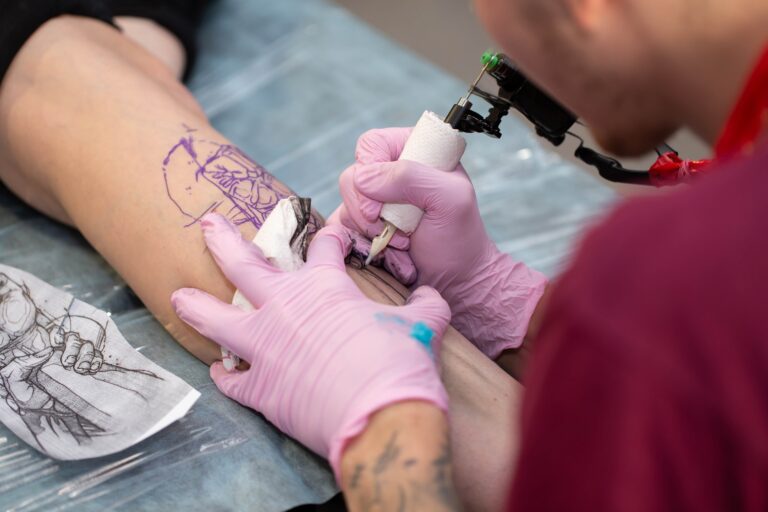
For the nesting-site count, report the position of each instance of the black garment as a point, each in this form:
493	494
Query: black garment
335	504
20	19
180	17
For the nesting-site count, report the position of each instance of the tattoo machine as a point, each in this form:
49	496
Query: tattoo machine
551	121
434	143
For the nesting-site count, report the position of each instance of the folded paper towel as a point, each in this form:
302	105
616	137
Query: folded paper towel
283	239
433	143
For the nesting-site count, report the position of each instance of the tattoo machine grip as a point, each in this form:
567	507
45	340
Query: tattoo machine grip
433	143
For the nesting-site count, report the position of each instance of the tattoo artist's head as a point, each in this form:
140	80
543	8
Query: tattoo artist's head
634	70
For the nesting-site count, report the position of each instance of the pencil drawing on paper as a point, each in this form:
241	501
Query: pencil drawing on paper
52	361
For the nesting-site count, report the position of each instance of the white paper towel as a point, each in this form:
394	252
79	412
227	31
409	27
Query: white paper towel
274	240
434	143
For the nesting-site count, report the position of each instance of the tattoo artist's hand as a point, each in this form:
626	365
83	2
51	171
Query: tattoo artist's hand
323	356
78	354
492	297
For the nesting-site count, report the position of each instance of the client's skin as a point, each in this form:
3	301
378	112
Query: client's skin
98	132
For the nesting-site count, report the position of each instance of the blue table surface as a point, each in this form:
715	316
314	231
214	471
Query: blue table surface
294	83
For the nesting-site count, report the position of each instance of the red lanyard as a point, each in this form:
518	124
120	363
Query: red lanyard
748	120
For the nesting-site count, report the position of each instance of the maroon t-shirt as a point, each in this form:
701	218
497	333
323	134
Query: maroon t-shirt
648	389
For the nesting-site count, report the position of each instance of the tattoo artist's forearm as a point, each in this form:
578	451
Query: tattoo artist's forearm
398	481
402	462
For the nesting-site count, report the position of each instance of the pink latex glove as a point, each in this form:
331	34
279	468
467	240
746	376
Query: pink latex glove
492	296
323	356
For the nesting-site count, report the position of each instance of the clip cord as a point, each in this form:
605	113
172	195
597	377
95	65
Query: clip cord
610	168
461	117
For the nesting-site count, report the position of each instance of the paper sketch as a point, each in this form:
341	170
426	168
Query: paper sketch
70	385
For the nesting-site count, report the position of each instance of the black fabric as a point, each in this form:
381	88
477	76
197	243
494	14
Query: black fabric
181	17
335	504
20	19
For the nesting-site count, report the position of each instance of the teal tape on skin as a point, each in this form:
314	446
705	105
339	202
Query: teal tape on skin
419	331
423	334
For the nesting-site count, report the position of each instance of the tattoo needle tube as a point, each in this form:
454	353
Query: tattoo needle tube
433	143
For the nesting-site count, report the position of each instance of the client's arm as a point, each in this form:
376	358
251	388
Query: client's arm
99	134
91	119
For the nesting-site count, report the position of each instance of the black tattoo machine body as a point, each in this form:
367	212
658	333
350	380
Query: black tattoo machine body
550	119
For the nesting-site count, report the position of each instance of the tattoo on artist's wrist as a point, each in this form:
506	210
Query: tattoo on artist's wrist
396	480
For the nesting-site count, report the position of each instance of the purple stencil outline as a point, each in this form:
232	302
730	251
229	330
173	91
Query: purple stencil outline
228	181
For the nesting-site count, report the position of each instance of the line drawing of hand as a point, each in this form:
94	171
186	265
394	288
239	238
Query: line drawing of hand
80	355
34	339
18	388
